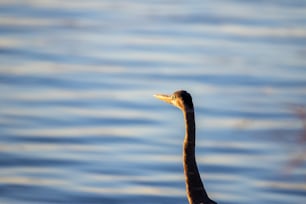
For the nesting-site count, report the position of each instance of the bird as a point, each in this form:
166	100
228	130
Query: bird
196	193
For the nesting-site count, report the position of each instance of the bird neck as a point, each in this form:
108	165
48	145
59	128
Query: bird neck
194	186
190	127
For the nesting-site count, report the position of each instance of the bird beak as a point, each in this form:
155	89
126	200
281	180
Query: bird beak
164	97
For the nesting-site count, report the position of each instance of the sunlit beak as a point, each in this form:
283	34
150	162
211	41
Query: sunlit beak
164	97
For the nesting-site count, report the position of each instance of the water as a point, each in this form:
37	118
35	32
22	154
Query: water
79	124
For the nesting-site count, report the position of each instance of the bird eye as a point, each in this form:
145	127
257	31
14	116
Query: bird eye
173	97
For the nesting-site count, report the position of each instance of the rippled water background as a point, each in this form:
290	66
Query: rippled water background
79	124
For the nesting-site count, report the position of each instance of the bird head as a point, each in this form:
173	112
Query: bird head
180	99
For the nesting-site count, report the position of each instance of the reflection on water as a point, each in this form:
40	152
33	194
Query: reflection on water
79	124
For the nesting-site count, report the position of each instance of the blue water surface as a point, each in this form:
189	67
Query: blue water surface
79	123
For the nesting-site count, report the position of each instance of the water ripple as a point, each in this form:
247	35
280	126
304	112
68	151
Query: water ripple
79	124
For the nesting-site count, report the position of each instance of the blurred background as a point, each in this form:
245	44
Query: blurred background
78	123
